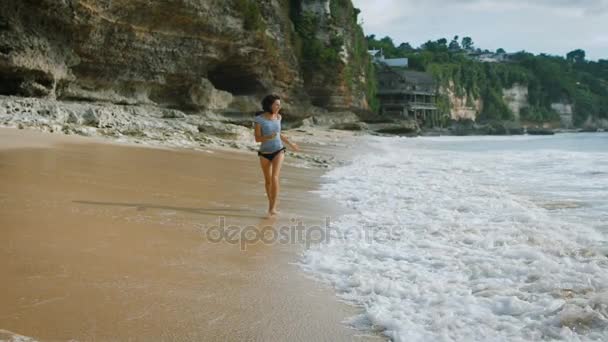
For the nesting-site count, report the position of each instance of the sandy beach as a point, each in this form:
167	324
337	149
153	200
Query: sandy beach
106	241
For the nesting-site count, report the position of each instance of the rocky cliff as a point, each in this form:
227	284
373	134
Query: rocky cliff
565	111
516	98
464	107
190	55
336	66
460	107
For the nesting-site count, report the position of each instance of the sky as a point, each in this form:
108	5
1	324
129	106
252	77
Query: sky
549	26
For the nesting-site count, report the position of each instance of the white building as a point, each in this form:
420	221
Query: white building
378	56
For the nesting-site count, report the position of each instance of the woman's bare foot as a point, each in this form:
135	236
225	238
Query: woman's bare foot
273	212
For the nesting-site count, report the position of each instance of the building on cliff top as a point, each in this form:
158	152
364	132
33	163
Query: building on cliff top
405	94
378	58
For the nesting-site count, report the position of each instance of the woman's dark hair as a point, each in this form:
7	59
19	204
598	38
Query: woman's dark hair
268	101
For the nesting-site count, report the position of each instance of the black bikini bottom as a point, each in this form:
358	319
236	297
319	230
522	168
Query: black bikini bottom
270	156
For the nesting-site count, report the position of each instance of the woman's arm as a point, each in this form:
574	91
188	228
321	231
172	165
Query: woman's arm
294	146
258	134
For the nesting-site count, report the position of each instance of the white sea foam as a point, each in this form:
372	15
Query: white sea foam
473	238
9	336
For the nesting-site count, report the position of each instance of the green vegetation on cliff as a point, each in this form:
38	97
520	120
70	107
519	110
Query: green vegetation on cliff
330	48
549	79
333	50
252	18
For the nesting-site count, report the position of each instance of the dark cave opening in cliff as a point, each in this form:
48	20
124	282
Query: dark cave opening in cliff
236	78
9	85
19	82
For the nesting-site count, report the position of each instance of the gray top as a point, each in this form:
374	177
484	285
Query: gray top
268	127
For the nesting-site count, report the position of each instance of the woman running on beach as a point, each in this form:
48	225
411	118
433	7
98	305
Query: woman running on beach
272	151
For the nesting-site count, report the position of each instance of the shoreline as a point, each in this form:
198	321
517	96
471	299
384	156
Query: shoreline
147	125
103	250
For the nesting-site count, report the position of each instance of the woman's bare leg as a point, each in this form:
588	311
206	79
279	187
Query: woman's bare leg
267	170
277	162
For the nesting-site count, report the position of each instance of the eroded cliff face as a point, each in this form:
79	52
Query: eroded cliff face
461	107
335	64
565	111
190	55
516	98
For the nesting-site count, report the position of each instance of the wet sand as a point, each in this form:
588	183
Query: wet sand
109	242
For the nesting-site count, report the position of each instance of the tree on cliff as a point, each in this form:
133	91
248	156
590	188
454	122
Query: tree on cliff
454	46
576	56
439	45
405	47
467	43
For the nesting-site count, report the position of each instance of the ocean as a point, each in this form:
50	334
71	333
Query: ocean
472	238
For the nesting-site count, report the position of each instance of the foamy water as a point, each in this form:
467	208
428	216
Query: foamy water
473	238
